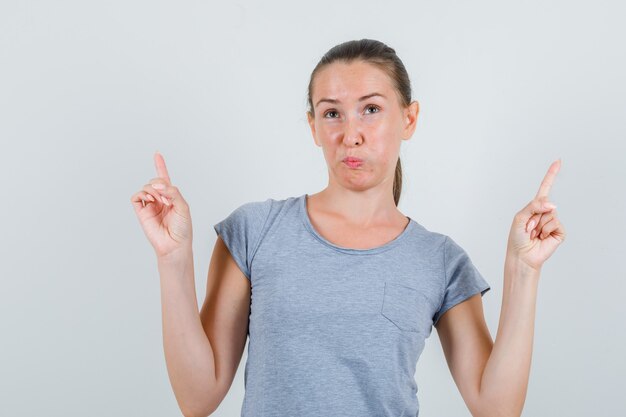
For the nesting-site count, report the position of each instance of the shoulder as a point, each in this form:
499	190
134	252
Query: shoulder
267	205
431	241
441	241
438	250
242	230
253	216
253	210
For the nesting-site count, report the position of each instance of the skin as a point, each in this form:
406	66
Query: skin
202	348
357	206
358	202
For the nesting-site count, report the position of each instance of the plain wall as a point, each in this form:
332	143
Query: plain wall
89	90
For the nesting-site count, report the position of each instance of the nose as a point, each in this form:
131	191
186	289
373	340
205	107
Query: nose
352	132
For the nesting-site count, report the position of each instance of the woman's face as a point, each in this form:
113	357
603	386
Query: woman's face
350	121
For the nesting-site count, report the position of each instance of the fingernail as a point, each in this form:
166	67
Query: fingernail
165	201
549	205
158	186
531	225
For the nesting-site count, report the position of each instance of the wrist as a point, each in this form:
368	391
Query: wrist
514	264
175	257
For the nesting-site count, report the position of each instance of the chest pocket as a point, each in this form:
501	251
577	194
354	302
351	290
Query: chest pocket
405	307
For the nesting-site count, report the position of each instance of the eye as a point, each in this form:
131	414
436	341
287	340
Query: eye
371	106
330	111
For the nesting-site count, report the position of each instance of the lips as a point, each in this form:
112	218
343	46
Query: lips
353	162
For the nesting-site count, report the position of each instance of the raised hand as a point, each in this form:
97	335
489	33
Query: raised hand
536	231
163	213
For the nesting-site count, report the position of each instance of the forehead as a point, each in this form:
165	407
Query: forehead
343	81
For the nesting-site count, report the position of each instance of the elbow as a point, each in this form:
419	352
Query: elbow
494	410
196	413
499	406
202	408
192	413
497	414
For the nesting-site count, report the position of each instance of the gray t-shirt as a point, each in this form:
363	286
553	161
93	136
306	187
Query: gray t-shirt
336	331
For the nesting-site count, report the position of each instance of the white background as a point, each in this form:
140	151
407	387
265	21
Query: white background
89	90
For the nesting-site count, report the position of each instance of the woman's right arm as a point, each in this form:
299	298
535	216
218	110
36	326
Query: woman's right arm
202	349
188	353
196	342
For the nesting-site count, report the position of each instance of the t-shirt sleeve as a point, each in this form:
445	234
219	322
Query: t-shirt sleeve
462	278
241	231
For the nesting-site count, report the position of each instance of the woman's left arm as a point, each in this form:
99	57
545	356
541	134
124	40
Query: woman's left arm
504	380
494	377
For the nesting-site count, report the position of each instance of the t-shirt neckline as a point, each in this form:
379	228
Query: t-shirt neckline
304	215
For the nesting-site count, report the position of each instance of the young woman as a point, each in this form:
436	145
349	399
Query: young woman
338	290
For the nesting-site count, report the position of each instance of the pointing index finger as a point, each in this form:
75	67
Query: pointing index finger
548	180
161	169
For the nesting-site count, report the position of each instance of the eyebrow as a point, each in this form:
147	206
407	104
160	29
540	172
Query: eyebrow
332	100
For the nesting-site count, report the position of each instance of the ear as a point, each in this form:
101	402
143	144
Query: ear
410	119
311	121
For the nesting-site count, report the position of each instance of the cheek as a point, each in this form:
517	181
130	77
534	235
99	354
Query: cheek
386	156
382	134
329	130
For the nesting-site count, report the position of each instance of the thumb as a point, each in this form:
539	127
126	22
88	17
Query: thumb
172	197
538	205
